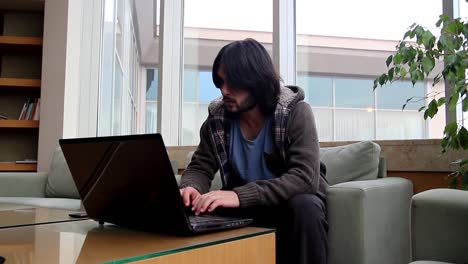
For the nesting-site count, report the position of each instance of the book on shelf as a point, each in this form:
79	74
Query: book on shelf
30	110
35	115
2	117
26	161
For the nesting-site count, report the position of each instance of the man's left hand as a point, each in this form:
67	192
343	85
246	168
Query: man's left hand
207	202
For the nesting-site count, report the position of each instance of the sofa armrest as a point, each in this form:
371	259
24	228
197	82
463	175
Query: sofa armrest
369	221
439	225
19	184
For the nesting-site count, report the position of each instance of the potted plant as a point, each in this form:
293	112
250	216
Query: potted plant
415	58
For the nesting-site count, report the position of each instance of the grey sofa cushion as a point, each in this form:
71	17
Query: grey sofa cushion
354	162
59	181
58	203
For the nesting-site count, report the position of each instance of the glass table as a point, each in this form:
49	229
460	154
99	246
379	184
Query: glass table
88	242
13	215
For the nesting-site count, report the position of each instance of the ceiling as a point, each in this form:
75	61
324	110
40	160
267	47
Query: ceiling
23	5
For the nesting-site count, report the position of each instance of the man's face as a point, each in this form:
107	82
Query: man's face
236	101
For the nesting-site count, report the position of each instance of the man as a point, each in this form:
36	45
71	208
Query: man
263	140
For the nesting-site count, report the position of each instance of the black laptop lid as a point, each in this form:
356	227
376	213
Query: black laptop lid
126	180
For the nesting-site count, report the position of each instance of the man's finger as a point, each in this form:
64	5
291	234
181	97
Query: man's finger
206	203
214	205
186	197
193	195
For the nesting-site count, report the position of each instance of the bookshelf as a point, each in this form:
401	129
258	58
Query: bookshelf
12	166
18	43
19	124
20	83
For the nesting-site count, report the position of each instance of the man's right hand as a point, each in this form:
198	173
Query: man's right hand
189	194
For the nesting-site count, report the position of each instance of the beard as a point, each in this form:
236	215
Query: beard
248	104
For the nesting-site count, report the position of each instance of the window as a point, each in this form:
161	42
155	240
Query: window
208	27
118	106
345	108
351	48
151	100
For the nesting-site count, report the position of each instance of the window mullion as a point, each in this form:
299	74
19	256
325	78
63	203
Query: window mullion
284	39
171	62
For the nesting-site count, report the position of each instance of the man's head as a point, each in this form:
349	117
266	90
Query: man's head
244	72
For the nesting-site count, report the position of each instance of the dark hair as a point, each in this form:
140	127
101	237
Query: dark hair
248	66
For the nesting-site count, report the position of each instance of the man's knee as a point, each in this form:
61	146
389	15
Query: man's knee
307	206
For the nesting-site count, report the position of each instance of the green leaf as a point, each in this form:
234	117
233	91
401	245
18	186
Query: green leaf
408	34
441	101
453	101
403	72
397	59
422	108
451	28
463	137
447	42
428	64
442	18
420	75
389	60
444	143
428	39
436	79
431	109
383	79
407	101
451	128
419	31
465	104
390	74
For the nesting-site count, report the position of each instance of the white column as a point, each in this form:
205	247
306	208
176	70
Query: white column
53	79
170	69
89	68
284	39
61	106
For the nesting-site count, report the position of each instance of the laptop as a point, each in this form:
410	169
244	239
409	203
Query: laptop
129	181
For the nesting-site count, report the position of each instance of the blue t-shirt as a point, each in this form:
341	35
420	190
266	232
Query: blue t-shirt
247	156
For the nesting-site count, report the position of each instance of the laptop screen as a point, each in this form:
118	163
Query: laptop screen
126	180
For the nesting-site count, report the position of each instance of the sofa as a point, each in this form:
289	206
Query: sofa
368	213
52	189
440	226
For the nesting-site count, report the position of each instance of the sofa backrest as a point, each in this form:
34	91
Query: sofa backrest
59	180
352	162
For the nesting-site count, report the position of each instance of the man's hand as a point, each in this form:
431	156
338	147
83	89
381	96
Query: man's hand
189	195
210	201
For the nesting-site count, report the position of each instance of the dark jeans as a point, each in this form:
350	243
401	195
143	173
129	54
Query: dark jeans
301	228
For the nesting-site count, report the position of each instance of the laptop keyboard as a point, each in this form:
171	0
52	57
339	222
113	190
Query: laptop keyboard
200	219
